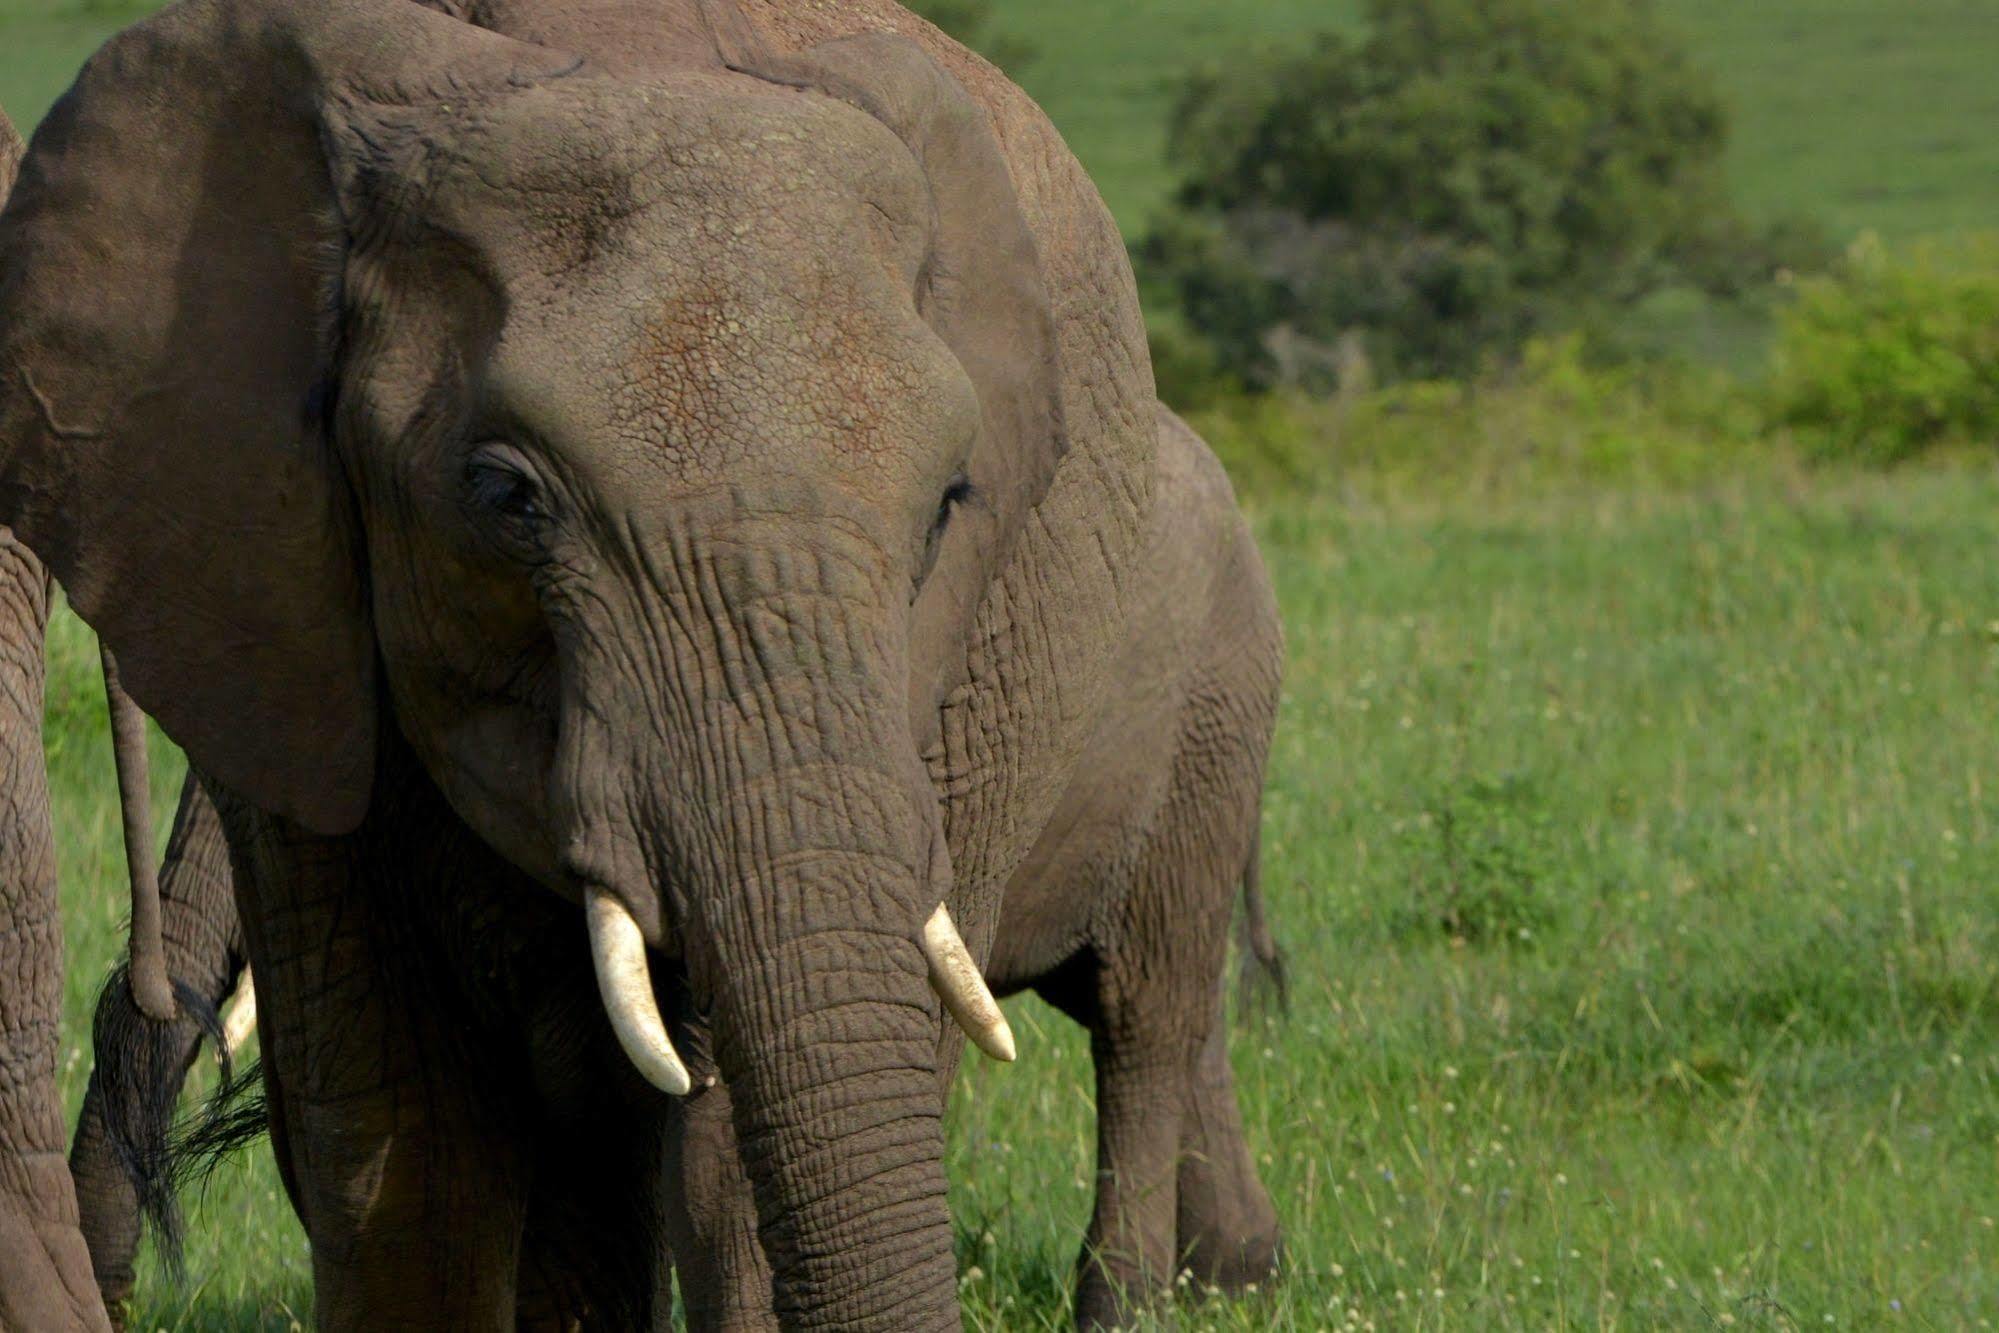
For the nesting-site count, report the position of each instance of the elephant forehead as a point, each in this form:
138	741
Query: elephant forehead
703	356
560	177
704	363
716	273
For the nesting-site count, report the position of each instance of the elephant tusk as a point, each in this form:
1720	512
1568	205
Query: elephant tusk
241	1020
624	979
958	982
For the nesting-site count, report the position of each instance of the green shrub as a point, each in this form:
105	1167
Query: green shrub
1484	865
1471	174
1893	354
1554	420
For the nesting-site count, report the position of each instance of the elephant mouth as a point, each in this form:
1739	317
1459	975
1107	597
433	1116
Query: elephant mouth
624	980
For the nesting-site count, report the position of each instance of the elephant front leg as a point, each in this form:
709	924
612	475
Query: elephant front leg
393	1142
45	1279
1128	1254
1175	1186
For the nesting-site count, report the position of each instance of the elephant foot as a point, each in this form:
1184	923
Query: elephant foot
1234	1261
1226	1230
45	1277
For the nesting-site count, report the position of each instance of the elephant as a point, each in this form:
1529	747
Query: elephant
652	523
58	1230
47	1270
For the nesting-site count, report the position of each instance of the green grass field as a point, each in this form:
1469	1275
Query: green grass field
1634	844
1635	856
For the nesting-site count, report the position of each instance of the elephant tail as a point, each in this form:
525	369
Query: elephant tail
151	989
130	1126
1262	981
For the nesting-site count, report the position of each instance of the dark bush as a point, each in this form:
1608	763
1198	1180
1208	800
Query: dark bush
1471	174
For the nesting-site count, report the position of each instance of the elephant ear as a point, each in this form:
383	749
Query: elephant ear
982	290
170	270
10	155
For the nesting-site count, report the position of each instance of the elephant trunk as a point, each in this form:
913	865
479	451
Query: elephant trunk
827	1034
745	791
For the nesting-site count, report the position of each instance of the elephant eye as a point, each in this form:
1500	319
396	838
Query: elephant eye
500	489
504	491
959	492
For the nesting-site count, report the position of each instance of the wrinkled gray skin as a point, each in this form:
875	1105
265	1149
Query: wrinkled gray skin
533	465
1119	917
45	1279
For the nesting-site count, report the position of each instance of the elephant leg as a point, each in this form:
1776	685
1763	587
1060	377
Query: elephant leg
118	1156
398	1147
45	1278
1166	1102
1128	1252
1227	1229
725	1279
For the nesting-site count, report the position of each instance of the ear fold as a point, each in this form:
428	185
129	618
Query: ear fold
170	270
983	290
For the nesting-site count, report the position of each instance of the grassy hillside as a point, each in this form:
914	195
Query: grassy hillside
1864	113
42	44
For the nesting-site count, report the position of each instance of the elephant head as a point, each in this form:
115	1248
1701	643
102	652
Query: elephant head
635	446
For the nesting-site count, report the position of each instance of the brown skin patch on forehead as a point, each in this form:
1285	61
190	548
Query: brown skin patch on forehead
722	281
823	352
